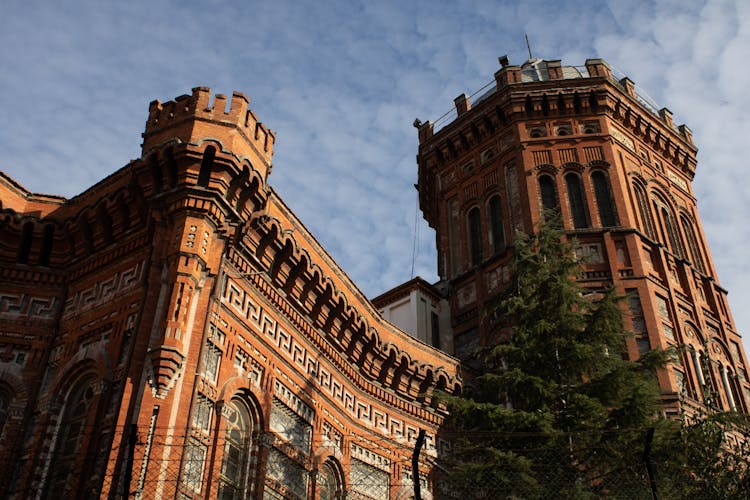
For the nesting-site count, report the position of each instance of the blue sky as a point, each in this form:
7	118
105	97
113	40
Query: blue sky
341	83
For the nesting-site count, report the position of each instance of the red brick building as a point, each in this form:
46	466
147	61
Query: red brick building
578	140
175	332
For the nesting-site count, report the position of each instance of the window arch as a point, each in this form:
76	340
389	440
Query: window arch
577	200
549	193
695	252
497	234
235	476
330	483
644	210
475	236
71	438
604	202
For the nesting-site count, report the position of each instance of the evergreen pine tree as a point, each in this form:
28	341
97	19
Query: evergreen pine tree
557	402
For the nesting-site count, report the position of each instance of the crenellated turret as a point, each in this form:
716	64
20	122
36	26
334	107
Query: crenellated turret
194	118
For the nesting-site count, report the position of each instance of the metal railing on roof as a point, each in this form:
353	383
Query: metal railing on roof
640	95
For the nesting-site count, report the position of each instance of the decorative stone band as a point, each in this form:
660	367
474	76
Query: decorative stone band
370	457
104	291
293	402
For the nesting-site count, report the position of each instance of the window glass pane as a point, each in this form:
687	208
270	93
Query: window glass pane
234	466
645	211
607	213
548	192
577	201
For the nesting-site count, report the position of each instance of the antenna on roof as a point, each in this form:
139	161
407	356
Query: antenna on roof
528	46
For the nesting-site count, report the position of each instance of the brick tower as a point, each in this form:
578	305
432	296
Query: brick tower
176	332
620	172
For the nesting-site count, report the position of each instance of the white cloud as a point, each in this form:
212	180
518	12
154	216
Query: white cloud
341	82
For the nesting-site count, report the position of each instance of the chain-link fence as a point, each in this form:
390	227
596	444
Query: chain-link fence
167	464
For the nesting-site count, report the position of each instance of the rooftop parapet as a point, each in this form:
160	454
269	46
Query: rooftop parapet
510	78
194	117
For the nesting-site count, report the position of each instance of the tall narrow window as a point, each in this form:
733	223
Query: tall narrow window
549	193
454	248
576	200
674	237
4	404
211	361
607	211
497	235
192	467
206	166
475	236
156	175
105	224
644	211
124	208
25	248
234	477
47	240
695	252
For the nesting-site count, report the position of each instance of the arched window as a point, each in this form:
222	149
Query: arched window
235	474
330	484
475	236
603	193
86	233
644	211
71	436
206	166
674	237
105	224
156	175
47	240
529	106
576	200
695	252
124	208
497	235
549	193
668	226
25	248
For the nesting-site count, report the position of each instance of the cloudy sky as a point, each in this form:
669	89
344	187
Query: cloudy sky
341	83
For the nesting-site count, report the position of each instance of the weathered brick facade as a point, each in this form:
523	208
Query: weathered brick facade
176	332
578	140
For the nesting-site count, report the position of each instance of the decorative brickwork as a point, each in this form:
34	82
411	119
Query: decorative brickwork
217	347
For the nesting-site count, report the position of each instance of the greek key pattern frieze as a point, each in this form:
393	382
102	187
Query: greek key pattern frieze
27	306
103	291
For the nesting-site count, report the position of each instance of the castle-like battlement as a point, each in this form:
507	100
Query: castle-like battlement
198	106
